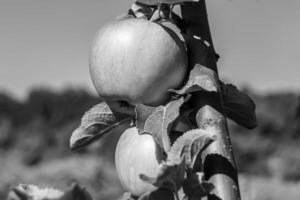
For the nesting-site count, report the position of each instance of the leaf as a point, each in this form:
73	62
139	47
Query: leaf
170	176
158	194
97	121
195	187
127	196
156	2
200	79
17	194
76	192
140	10
239	106
29	192
182	123
142	112
189	145
158	122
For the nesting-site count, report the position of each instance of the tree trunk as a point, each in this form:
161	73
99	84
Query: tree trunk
217	160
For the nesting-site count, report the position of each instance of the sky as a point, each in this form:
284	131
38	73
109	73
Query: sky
45	43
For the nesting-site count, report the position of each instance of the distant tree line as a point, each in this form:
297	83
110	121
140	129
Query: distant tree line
54	108
48	117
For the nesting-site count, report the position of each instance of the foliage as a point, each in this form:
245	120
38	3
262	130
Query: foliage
37	141
32	192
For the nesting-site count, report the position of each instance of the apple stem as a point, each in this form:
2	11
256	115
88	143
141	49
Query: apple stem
217	160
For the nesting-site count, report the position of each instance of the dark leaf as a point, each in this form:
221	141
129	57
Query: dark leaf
239	106
182	123
195	187
17	194
127	196
97	121
200	79
156	2
170	176
158	123
142	112
189	145
76	192
142	11
158	194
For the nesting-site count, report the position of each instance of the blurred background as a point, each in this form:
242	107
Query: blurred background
45	88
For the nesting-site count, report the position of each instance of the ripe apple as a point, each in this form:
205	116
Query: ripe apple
137	61
137	154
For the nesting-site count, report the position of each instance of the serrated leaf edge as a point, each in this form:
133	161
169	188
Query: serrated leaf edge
181	142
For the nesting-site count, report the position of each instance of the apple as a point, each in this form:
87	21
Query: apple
137	61
137	154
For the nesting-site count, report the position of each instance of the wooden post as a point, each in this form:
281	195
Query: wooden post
217	160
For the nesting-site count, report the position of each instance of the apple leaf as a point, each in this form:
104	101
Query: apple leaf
189	145
142	112
182	123
195	187
18	194
170	176
158	122
158	194
96	122
76	192
29	192
127	196
238	106
156	2
200	79
141	11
